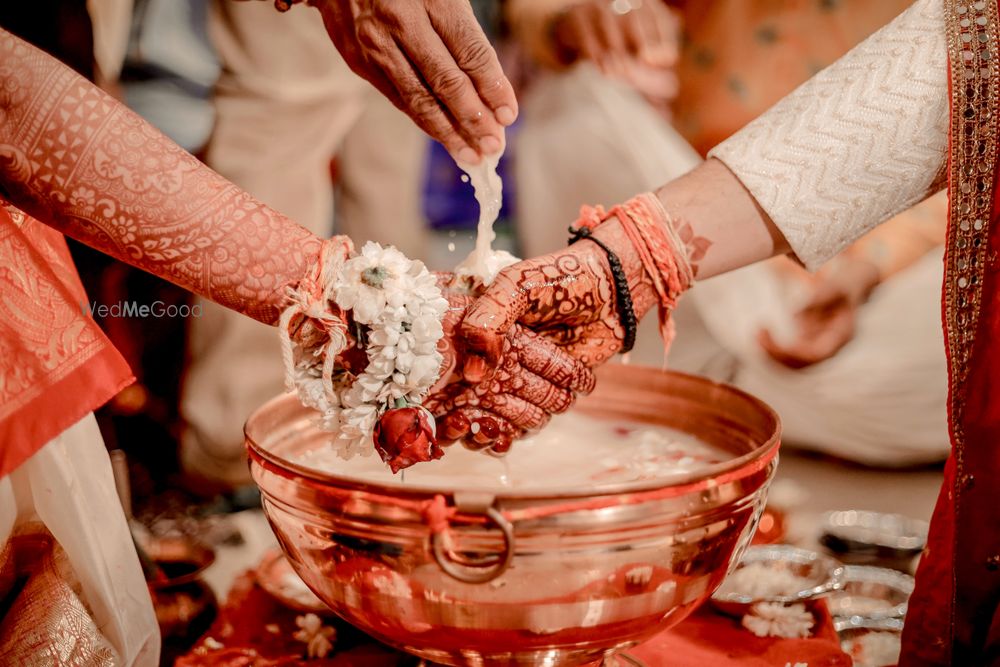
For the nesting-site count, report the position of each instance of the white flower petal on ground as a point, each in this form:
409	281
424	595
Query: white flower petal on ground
774	619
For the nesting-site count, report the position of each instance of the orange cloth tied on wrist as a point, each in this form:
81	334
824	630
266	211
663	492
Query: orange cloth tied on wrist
663	254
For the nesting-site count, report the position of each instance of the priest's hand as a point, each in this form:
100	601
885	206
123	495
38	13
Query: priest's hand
433	61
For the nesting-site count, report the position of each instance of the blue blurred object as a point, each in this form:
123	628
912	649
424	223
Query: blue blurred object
449	203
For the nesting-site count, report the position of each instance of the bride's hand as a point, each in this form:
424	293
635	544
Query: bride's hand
567	296
534	380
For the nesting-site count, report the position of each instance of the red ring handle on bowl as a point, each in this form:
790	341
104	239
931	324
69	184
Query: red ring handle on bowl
480	570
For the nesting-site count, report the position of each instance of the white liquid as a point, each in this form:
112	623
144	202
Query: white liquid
573	451
483	263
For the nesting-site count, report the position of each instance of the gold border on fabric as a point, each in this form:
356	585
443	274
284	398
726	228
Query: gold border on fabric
972	47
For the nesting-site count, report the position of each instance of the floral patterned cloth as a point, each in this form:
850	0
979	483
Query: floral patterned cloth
55	363
46	622
741	56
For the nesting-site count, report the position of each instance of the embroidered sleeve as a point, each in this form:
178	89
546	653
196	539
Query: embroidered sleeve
79	161
860	142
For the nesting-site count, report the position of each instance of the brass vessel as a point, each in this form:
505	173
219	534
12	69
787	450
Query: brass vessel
472	576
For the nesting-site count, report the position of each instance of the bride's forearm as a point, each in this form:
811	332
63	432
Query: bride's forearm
722	224
77	160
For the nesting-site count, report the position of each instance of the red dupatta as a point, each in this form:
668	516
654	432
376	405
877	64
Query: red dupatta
56	365
954	616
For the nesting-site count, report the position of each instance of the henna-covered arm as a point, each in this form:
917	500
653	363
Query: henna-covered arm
79	161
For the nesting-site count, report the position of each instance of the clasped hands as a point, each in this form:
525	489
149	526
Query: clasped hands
524	349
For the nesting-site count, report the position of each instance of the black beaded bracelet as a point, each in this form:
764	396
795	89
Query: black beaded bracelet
623	296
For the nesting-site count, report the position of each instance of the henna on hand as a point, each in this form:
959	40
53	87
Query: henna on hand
570	296
497	409
79	161
567	296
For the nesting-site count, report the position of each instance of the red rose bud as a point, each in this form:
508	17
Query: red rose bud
406	436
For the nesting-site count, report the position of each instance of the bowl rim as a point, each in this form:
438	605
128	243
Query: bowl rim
710	476
912	539
871	574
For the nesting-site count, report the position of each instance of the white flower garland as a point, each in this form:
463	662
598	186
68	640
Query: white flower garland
399	308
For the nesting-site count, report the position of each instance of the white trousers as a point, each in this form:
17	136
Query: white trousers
68	486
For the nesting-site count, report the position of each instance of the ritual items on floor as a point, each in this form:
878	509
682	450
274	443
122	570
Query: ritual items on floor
872	538
256	629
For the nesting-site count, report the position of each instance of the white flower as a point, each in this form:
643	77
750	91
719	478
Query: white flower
385	337
317	637
426	328
401	307
774	619
424	371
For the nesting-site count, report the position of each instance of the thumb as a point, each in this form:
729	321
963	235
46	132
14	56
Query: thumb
487	323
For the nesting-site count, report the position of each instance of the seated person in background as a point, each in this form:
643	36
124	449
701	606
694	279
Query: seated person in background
809	345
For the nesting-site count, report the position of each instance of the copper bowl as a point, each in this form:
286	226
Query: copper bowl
474	576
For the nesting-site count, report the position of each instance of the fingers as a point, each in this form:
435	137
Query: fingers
582	36
519	412
453	427
651	32
609	29
792	356
476	428
412	95
818	340
535	389
472	52
487	322
547	360
450	84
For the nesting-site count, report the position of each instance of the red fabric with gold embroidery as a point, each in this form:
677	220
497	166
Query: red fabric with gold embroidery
56	365
954	614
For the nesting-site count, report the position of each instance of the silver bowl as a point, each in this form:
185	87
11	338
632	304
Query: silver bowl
821	575
872	538
473	576
850	631
872	593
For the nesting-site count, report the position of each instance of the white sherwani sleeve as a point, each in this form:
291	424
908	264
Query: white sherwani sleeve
858	143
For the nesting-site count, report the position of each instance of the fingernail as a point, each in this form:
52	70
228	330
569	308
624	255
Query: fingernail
502	445
475	368
490	145
489	430
455	426
468	156
506	116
